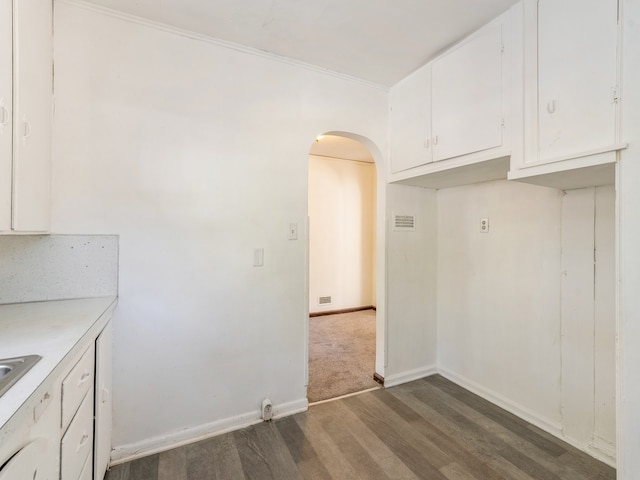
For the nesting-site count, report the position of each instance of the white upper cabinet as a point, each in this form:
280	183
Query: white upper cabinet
410	121
26	150
571	79
467	104
451	120
6	112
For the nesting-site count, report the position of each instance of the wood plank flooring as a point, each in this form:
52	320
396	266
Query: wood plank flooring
426	429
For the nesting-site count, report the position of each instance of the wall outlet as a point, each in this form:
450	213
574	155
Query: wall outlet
484	225
267	410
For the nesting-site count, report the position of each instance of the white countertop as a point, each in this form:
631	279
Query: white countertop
49	329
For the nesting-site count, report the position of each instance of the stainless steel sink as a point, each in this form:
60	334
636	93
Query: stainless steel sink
11	369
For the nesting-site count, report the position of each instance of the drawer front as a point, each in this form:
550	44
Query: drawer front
76	384
77	443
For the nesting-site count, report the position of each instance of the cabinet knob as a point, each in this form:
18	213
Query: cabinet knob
551	106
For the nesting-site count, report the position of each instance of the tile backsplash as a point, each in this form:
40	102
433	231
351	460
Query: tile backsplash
56	267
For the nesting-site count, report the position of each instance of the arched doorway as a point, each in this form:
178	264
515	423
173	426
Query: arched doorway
343	257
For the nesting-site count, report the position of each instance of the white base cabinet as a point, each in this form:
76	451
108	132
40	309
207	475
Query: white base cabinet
53	437
103	402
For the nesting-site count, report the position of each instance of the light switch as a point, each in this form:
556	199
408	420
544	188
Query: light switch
258	257
293	231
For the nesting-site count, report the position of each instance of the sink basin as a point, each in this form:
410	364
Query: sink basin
11	369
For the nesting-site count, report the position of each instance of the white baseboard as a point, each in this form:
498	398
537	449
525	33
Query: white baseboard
409	375
550	426
603	450
596	449
150	446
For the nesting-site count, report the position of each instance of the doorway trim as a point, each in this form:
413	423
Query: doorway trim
381	259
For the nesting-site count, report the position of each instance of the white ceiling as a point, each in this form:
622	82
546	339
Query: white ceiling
380	41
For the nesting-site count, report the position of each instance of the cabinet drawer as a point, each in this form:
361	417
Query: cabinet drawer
76	384
77	443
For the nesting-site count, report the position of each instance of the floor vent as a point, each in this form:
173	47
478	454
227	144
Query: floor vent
404	222
324	300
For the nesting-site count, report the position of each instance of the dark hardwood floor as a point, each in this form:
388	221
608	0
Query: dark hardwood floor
427	429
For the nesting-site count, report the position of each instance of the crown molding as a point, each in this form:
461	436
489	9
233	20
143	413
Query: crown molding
86	5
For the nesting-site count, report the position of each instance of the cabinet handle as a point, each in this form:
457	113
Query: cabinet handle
551	106
85	376
27	130
435	139
4	115
427	144
83	442
105	395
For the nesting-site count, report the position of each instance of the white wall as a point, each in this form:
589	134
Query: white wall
342	214
628	420
411	335
196	155
499	294
523	317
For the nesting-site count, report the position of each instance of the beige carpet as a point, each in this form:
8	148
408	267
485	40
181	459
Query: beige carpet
341	354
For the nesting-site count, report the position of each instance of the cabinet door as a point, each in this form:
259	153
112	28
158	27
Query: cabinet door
577	43
102	453
27	464
467	96
6	112
410	121
33	74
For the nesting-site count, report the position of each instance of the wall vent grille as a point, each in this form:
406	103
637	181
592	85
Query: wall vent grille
324	300
404	222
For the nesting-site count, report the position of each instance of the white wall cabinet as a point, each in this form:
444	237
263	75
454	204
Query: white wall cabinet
571	93
449	120
410	121
467	102
577	76
26	81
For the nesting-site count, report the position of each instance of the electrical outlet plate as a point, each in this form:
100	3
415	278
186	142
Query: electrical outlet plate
484	225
